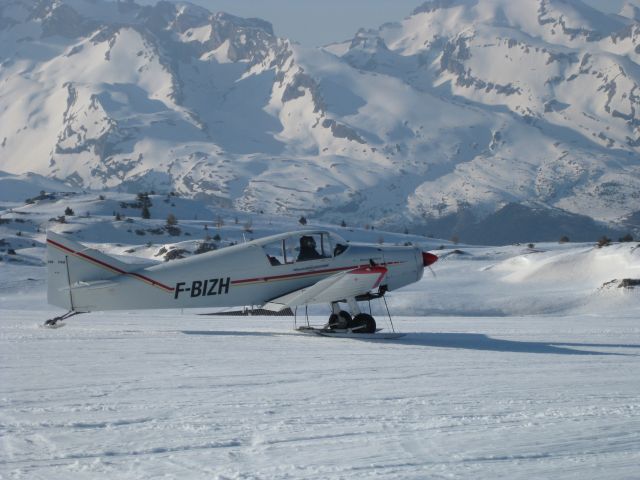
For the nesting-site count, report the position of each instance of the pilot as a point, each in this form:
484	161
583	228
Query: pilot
308	249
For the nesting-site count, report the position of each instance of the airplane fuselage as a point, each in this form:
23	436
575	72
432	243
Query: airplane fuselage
243	274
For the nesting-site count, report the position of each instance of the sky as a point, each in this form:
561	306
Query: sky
314	23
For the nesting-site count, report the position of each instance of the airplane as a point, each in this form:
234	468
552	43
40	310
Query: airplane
282	271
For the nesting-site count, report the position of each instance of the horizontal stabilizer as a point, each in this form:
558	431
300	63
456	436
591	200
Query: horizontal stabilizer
97	285
90	256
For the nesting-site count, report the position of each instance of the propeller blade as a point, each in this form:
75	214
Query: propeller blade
432	272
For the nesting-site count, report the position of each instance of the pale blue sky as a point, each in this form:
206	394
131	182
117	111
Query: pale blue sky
318	22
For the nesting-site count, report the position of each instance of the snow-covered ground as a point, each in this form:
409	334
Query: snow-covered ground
518	363
171	395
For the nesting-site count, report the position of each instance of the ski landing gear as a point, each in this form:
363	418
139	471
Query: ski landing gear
343	325
342	320
53	322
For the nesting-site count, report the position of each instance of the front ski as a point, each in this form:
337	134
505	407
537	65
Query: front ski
347	333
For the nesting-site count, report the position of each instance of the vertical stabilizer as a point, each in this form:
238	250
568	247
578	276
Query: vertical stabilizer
58	280
70	264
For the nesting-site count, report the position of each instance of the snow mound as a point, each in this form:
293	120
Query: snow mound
589	266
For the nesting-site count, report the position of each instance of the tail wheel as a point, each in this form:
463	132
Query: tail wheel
340	320
363	323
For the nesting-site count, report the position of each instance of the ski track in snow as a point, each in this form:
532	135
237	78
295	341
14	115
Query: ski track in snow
150	394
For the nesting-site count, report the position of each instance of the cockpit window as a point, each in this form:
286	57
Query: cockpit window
275	252
340	248
308	246
300	248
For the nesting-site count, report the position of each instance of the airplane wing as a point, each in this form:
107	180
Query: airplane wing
350	283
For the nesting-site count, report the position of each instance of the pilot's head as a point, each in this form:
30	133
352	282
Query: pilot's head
307	242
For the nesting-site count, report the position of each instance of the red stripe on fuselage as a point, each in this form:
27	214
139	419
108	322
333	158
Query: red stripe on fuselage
311	272
110	267
381	271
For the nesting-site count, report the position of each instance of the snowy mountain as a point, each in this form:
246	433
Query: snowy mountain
458	111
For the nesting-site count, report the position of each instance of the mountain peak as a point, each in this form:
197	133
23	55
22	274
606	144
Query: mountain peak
540	18
433	5
631	10
460	109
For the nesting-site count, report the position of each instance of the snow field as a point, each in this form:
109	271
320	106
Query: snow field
181	396
517	363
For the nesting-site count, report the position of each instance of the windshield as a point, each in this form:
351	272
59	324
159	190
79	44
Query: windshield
339	244
304	247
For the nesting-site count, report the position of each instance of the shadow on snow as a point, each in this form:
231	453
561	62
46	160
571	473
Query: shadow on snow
223	333
478	341
467	341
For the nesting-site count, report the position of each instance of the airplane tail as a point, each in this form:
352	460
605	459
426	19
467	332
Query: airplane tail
71	264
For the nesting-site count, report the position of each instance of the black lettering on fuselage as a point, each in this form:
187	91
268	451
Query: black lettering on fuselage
204	288
196	288
224	283
179	289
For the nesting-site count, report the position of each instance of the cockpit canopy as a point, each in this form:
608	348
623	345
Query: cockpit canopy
303	246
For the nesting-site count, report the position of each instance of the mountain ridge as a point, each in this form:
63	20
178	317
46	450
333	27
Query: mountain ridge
462	105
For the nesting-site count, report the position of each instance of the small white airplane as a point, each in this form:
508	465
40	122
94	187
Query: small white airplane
281	271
